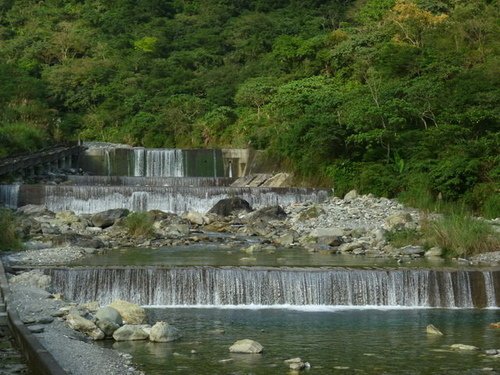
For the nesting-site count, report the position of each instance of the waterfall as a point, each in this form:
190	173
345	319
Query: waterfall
158	162
139	161
209	286
489	282
149	181
9	195
91	199
107	160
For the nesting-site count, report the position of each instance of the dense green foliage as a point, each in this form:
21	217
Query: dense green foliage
387	96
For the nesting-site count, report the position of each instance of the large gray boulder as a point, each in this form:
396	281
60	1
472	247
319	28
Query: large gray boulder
164	332
246	346
267	213
110	314
228	206
107	327
130	332
107	218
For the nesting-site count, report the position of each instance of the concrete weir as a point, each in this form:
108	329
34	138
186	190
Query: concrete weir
40	361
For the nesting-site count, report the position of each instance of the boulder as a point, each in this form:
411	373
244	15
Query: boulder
228	206
434	252
164	332
267	213
351	195
67	217
34	278
107	218
246	346
79	240
286	239
107	327
412	250
464	347
85	326
130	332
197	218
109	314
328	236
432	330
311	213
35	210
130	312
398	221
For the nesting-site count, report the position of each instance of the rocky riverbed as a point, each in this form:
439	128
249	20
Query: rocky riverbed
356	225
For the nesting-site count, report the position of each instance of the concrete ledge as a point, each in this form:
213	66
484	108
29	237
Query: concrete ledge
40	361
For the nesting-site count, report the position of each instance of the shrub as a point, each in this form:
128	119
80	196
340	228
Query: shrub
139	224
461	235
9	239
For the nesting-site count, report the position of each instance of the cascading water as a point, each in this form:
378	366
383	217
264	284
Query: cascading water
208	286
9	195
91	199
149	181
158	162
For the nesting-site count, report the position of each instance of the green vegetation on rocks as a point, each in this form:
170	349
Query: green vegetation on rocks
139	224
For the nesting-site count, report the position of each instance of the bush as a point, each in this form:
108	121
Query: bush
461	235
378	179
19	138
9	239
139	224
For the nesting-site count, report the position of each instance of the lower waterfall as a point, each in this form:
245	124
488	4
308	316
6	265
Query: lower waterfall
176	199
210	286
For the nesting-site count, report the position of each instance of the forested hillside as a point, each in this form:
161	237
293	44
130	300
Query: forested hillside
386	96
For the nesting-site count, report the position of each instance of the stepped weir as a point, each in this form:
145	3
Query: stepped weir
246	286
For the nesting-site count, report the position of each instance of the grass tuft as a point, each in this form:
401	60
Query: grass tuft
461	235
139	224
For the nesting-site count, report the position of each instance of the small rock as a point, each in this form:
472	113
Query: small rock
246	346
491	352
432	330
45	320
36	329
464	347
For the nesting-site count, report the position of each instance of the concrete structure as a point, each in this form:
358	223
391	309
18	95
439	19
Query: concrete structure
64	156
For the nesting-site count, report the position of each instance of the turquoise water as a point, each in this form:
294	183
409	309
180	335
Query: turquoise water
359	341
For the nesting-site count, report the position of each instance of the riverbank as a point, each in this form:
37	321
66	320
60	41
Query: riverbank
39	310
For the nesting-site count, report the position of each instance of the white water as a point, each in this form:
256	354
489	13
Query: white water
254	287
92	199
9	195
158	162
